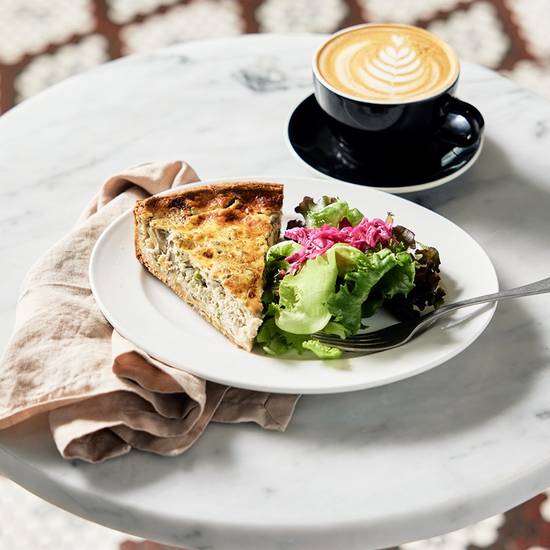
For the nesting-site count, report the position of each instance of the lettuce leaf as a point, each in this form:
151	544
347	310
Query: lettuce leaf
385	273
309	299
398	280
328	210
275	262
277	254
336	329
322	350
345	304
427	291
302	307
277	342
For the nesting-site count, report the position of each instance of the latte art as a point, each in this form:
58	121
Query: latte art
387	63
395	70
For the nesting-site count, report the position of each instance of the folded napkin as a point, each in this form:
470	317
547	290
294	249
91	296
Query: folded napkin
103	395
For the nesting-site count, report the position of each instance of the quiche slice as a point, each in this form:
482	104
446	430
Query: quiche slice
208	244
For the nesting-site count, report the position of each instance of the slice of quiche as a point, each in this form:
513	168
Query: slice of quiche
208	244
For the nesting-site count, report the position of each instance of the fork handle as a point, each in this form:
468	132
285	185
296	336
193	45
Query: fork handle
539	287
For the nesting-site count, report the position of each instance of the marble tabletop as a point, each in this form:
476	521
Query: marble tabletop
358	471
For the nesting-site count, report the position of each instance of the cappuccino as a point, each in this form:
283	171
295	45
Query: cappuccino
387	63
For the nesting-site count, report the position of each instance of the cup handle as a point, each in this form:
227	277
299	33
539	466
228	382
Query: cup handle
463	123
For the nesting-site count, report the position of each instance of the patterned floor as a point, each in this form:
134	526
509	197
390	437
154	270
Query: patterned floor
45	41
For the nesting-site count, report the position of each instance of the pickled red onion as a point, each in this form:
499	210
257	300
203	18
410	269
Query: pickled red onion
317	240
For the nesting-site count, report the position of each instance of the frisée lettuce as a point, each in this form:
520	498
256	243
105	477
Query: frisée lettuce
337	267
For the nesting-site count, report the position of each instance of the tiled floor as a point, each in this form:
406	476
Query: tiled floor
44	41
29	523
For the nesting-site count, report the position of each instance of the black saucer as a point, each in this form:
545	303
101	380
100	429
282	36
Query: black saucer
419	163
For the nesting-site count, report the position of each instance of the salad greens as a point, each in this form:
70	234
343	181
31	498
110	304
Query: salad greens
337	268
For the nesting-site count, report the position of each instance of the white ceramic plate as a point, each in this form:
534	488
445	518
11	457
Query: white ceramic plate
147	313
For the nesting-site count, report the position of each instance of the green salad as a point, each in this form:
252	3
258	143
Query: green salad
334	269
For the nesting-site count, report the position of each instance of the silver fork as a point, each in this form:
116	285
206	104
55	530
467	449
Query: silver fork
400	333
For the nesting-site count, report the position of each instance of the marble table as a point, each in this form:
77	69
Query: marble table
357	471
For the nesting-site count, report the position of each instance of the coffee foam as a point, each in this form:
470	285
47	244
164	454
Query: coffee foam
387	63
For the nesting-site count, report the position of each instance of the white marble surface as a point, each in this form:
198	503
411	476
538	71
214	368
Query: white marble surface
356	471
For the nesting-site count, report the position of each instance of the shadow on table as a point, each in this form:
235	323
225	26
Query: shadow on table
30	447
493	198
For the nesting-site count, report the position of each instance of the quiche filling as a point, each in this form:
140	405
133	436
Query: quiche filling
164	249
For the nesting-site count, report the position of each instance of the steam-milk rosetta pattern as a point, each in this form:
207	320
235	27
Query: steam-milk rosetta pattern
388	63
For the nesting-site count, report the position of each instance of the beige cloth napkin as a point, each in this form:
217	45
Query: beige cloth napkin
103	395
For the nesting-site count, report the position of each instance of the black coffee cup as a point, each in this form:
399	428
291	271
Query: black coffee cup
454	120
